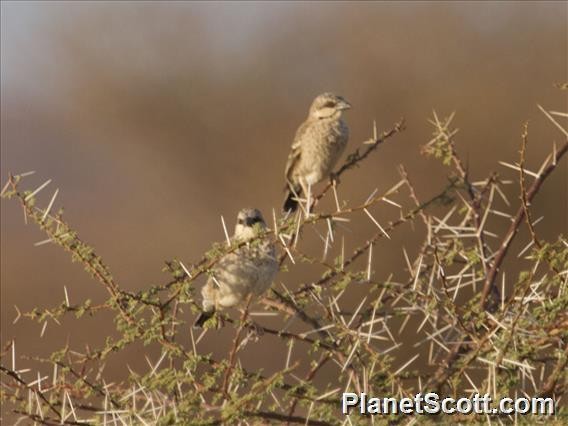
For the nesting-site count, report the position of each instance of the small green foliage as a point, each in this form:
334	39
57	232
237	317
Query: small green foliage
83	308
441	146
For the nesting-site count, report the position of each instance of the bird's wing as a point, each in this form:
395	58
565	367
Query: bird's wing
296	150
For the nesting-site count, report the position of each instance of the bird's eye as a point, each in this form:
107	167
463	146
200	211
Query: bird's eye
329	104
252	220
240	221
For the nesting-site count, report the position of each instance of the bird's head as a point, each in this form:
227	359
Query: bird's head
328	105
249	223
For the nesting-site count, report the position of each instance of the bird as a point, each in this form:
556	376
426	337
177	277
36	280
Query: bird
319	142
249	270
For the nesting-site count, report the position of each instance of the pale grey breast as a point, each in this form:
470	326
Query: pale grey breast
249	269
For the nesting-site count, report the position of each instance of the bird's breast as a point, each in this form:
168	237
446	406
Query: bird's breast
323	149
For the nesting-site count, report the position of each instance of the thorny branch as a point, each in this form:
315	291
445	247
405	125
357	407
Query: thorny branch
437	301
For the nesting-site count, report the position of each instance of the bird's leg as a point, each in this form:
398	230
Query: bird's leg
220	321
255	330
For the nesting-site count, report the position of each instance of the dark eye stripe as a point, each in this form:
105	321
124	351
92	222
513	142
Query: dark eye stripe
329	104
250	221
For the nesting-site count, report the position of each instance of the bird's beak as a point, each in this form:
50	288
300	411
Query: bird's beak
343	105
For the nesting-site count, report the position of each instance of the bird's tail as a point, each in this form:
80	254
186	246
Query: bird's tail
292	195
202	318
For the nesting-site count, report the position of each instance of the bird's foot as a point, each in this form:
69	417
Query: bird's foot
255	330
220	321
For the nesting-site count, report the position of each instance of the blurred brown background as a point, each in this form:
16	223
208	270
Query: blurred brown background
155	119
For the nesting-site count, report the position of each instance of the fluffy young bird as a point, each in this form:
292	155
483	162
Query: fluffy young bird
318	144
249	269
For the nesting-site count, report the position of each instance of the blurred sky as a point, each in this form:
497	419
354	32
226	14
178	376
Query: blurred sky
154	119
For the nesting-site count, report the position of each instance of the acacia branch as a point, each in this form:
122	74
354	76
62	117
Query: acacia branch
489	283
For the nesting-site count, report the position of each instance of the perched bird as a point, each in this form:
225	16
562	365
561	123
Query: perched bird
250	269
318	144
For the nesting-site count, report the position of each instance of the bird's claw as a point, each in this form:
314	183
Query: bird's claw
255	330
220	322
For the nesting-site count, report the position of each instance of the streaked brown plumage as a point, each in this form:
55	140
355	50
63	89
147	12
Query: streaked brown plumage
318	144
